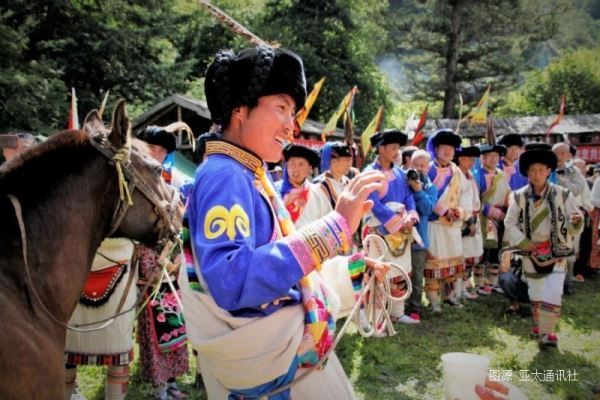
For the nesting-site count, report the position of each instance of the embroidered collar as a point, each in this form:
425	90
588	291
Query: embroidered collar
330	176
380	165
243	156
536	197
439	164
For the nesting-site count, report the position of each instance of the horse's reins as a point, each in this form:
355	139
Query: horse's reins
373	321
166	229
129	180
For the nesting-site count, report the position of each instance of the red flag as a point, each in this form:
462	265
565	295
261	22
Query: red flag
419	130
556	121
73	117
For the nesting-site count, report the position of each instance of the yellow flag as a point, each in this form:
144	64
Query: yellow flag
370	130
478	115
302	114
332	123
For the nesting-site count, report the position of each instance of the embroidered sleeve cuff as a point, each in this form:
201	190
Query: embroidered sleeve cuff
356	269
412	214
320	241
394	224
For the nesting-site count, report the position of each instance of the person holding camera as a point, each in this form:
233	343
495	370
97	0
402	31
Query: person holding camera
425	195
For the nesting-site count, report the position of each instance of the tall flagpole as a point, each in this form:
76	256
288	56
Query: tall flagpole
233	25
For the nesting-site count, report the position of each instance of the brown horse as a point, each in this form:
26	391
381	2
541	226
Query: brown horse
69	192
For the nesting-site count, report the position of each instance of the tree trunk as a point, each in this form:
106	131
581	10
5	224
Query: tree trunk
450	91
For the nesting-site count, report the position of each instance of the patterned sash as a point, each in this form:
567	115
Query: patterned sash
319	327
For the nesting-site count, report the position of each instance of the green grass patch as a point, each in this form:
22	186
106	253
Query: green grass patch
408	365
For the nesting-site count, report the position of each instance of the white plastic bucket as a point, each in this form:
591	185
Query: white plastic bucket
462	372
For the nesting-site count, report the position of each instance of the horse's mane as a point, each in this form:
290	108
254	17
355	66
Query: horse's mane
61	152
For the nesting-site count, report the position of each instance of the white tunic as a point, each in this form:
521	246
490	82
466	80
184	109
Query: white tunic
319	204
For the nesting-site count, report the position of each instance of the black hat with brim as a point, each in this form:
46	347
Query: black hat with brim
537	156
388	136
295	150
492	148
340	149
234	80
537	146
447	137
510	139
471	151
158	136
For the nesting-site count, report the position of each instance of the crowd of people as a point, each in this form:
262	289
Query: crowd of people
274	262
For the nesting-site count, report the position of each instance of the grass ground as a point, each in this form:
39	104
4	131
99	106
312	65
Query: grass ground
408	366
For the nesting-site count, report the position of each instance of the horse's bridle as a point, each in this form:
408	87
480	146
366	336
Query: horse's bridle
164	209
128	175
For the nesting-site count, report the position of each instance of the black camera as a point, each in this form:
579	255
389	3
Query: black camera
412	175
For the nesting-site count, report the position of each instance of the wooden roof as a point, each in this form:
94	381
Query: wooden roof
527	126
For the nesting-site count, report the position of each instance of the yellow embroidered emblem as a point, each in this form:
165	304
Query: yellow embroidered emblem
219	220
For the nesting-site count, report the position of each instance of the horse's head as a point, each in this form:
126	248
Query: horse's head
148	209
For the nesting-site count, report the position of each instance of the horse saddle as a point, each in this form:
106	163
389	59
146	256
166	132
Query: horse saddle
101	284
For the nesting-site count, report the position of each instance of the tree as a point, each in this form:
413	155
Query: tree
121	46
575	75
459	46
29	89
338	40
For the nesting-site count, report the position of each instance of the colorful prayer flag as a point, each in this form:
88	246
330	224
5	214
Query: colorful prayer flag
332	123
478	115
370	130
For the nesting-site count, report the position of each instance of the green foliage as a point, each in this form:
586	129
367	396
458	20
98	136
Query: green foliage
451	47
114	45
576	75
338	40
30	90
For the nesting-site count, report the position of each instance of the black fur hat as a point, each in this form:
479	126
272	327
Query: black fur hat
492	148
159	136
510	139
296	150
537	154
387	137
470	151
234	80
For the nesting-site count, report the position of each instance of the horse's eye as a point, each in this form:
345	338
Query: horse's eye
158	171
